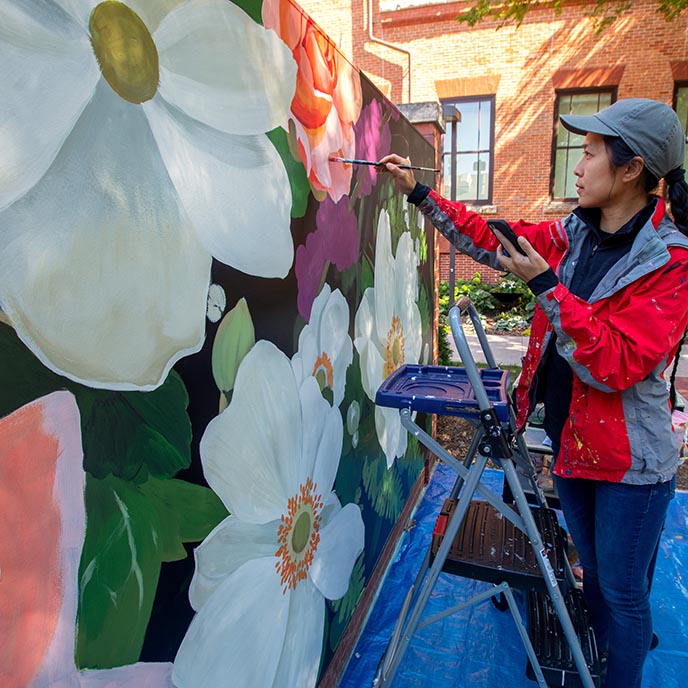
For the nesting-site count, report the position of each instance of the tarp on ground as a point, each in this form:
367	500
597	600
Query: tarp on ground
480	646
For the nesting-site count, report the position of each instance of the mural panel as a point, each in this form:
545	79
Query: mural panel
197	307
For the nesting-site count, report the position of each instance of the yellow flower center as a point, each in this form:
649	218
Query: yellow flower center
322	371
298	536
394	349
125	51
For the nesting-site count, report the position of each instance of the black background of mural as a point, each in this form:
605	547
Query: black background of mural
272	304
140	442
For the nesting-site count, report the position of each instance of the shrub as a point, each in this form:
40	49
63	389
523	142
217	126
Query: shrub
510	302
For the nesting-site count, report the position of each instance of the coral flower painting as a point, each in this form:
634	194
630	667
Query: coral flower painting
196	308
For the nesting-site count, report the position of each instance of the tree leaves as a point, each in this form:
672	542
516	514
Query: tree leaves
603	14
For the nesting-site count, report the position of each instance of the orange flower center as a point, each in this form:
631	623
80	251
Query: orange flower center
322	371
298	536
394	349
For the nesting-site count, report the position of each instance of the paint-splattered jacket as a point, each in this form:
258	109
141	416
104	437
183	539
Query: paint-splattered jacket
618	344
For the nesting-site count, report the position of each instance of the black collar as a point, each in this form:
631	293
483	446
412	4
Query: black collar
591	218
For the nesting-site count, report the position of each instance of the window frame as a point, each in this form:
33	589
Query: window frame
678	85
558	96
490	152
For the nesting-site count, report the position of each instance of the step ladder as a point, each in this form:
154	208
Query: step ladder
512	543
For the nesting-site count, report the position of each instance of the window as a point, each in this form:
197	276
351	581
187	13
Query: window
468	149
681	107
568	147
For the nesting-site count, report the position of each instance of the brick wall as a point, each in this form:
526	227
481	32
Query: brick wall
520	66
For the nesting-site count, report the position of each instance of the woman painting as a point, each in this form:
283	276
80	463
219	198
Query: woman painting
611	285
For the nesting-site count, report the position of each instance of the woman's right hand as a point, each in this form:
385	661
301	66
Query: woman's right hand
404	179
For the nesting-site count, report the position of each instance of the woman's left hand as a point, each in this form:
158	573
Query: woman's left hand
526	267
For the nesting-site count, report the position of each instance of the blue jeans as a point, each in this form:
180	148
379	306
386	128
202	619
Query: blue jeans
616	529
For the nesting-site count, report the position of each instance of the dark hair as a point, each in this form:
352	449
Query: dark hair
678	200
620	154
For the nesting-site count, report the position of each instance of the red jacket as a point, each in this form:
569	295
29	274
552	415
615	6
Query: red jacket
618	344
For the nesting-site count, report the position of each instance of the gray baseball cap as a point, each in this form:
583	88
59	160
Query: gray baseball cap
649	128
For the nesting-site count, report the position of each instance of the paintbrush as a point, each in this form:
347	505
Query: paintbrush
351	161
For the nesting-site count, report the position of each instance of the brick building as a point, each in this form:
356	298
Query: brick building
507	86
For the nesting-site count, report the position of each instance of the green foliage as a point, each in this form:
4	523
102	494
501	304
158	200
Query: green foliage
671	8
603	13
383	487
478	292
444	352
510	302
510	320
345	607
131	529
134	434
137	516
514	292
252	8
425	308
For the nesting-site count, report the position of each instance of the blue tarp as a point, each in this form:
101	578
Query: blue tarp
480	646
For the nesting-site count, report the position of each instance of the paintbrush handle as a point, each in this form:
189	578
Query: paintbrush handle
351	161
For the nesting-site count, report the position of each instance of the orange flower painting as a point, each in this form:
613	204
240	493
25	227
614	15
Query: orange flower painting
327	102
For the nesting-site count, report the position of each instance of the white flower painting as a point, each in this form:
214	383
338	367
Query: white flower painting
388	329
134	151
325	348
263	574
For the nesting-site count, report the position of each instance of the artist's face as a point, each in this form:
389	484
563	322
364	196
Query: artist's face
598	183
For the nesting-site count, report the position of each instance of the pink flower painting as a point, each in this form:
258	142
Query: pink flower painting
335	240
327	101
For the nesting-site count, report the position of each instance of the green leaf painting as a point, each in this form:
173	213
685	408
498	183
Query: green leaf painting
127	434
298	181
131	531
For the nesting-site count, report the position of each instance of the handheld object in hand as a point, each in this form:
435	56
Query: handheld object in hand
351	161
505	229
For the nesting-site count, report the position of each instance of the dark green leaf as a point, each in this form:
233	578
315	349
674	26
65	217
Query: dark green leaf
252	8
128	434
131	530
118	575
193	509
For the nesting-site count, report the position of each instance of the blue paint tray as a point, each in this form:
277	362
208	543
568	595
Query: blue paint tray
443	390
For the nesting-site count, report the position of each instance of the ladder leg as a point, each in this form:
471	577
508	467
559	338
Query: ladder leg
537	670
548	573
394	655
540	497
471	453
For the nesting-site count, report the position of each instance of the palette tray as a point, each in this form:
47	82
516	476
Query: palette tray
443	390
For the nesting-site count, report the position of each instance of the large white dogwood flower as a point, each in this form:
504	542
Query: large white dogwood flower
325	348
262	575
133	151
388	328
